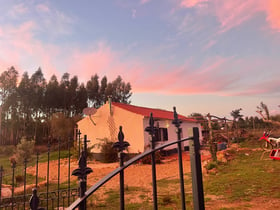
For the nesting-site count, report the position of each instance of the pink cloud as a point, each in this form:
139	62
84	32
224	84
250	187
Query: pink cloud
273	14
144	1
18	10
42	8
232	13
192	3
25	50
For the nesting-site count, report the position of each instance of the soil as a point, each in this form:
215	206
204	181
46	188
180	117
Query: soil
139	175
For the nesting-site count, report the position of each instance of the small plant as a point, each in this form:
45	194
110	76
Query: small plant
19	179
24	150
166	200
148	159
211	165
7	150
109	154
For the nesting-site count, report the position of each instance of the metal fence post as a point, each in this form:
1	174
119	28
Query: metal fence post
177	122
1	176
68	193
151	130
48	173
24	184
37	164
58	173
82	173
34	200
13	182
197	184
79	142
121	145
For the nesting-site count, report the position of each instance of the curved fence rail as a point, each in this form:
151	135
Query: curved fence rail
197	185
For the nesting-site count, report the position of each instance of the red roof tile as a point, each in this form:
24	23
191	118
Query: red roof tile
157	113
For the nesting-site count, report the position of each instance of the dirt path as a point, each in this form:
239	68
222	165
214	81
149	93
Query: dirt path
140	176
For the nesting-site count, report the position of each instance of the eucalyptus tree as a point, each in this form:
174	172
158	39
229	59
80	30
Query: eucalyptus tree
80	102
94	98
63	92
119	90
52	97
8	94
72	95
102	90
38	87
24	91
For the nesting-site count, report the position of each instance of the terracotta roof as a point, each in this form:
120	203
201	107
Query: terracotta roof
157	113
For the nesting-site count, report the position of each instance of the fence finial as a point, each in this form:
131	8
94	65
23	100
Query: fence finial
151	129
177	122
34	200
121	145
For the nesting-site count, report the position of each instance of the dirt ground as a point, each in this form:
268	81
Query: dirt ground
139	175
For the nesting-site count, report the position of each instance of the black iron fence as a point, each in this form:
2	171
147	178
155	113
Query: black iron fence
54	194
196	171
20	182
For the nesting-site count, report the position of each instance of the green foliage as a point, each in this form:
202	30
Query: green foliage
245	177
109	154
24	150
148	159
61	126
28	107
211	165
8	150
19	179
166	200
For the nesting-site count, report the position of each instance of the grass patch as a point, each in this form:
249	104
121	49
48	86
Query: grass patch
245	177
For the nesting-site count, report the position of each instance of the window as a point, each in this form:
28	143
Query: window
161	134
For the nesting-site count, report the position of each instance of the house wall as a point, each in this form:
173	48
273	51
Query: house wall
171	129
107	126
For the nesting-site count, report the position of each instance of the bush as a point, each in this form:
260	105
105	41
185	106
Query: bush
19	179
109	154
211	165
24	149
7	150
148	159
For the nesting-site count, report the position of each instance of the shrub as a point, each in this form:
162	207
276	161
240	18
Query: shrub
166	200
211	165
148	159
19	178
24	149
109	154
7	150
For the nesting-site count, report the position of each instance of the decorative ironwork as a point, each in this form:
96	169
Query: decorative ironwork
34	200
177	122
82	173
83	170
151	130
121	145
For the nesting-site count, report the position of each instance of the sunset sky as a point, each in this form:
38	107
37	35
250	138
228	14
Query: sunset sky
198	55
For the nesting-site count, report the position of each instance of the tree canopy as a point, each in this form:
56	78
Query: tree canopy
30	102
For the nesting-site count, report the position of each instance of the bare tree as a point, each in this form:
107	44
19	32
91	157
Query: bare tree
263	111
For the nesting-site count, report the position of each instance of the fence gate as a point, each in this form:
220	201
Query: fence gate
55	194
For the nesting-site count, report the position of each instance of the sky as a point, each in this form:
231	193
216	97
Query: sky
205	56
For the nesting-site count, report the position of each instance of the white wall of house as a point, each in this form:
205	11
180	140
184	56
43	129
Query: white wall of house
107	126
171	129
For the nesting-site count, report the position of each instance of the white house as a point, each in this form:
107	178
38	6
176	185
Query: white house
105	123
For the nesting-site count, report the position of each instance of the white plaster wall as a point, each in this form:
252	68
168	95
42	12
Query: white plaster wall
171	129
131	123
